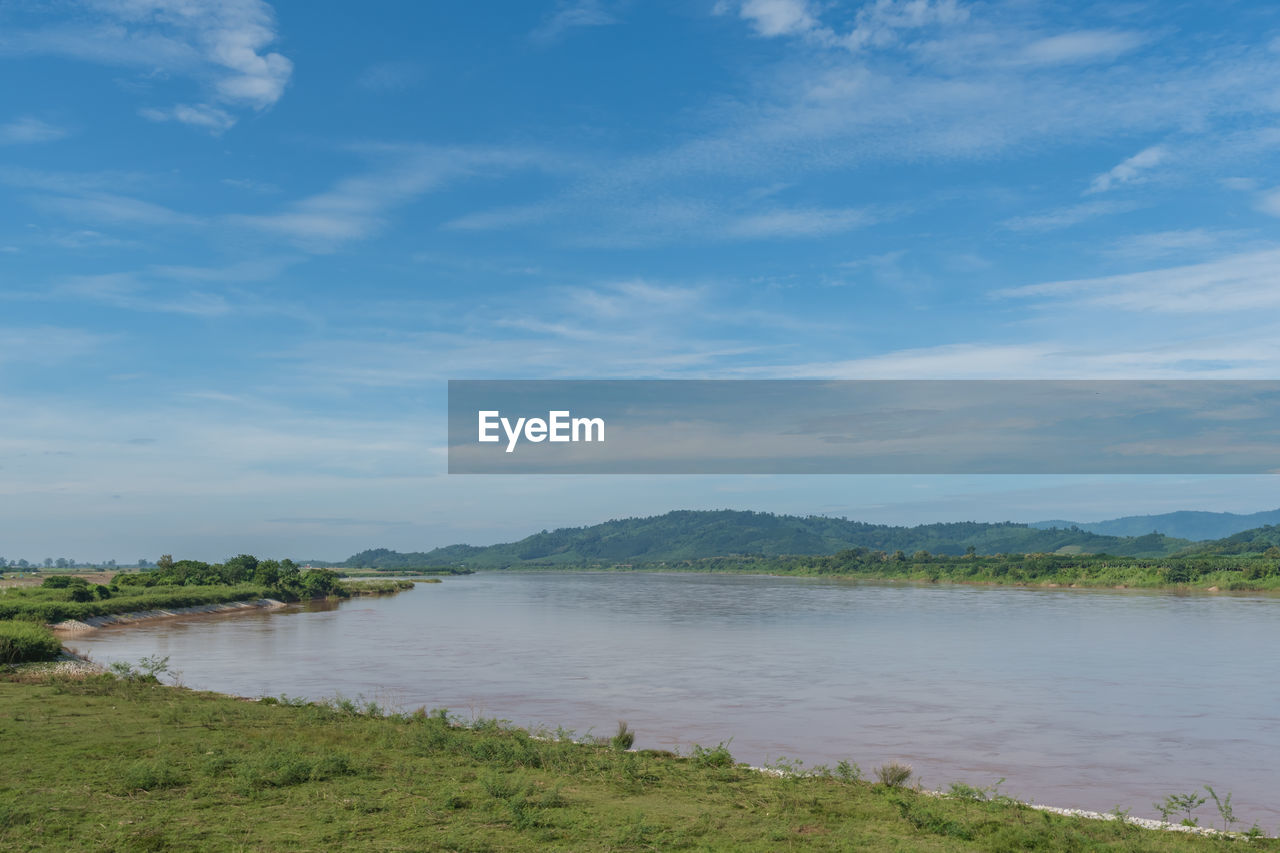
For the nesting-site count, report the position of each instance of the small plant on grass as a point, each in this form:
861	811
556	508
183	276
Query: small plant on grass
624	739
848	771
719	756
1184	803
1223	805
894	774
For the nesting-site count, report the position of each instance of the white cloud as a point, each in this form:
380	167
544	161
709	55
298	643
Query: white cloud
1080	46
221	43
201	115
797	222
1158	244
876	25
1131	169
1065	217
1269	202
28	129
356	207
1241	283
778	17
570	16
112	208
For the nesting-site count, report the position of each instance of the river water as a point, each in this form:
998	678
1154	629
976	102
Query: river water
1079	698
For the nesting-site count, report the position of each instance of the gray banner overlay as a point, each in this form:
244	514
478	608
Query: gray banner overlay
864	427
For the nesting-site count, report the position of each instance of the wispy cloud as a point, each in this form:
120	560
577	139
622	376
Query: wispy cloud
211	118
27	130
112	208
570	15
47	344
797	222
1247	282
1079	46
357	206
1131	169
1159	244
1268	202
221	43
1065	217
876	25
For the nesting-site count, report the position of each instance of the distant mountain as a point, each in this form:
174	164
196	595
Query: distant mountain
1196	526
694	534
1255	541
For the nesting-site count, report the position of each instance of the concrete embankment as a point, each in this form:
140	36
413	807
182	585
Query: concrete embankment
79	626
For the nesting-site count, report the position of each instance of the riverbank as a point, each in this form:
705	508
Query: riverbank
1036	571
173	769
71	627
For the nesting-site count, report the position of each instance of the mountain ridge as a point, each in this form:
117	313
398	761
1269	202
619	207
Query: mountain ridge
1196	525
693	534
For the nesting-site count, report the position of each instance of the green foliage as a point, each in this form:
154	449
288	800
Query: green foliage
21	642
695	535
848	771
717	756
152	775
52	605
624	738
1185	803
99	763
1223	805
894	774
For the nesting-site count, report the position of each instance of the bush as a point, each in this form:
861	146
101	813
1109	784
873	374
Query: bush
624	739
893	774
25	641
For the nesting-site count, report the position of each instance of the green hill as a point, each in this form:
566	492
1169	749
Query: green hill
1185	524
1255	541
696	534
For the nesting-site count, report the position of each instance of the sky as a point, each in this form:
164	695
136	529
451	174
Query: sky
243	246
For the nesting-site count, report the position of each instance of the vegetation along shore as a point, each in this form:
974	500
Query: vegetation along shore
120	761
27	612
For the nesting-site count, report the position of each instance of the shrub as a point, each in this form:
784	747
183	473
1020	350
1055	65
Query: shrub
717	757
624	739
893	774
25	641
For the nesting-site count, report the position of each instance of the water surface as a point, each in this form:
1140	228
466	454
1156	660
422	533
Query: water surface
1079	698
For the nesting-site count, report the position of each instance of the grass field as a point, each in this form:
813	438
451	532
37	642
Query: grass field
107	763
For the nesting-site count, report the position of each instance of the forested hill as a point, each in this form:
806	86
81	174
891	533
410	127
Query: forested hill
1197	526
694	534
1260	540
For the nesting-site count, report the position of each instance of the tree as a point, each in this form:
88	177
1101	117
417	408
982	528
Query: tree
165	562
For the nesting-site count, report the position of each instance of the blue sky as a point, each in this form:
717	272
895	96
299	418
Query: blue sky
243	245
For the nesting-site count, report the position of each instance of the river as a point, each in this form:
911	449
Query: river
1078	698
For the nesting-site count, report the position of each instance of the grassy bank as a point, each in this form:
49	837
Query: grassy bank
106	763
379	587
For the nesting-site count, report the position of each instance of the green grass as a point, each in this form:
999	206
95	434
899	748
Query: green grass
108	764
53	605
21	642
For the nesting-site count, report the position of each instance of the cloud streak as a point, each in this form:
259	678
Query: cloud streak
222	44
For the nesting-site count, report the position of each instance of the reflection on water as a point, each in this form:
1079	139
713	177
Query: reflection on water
1079	698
